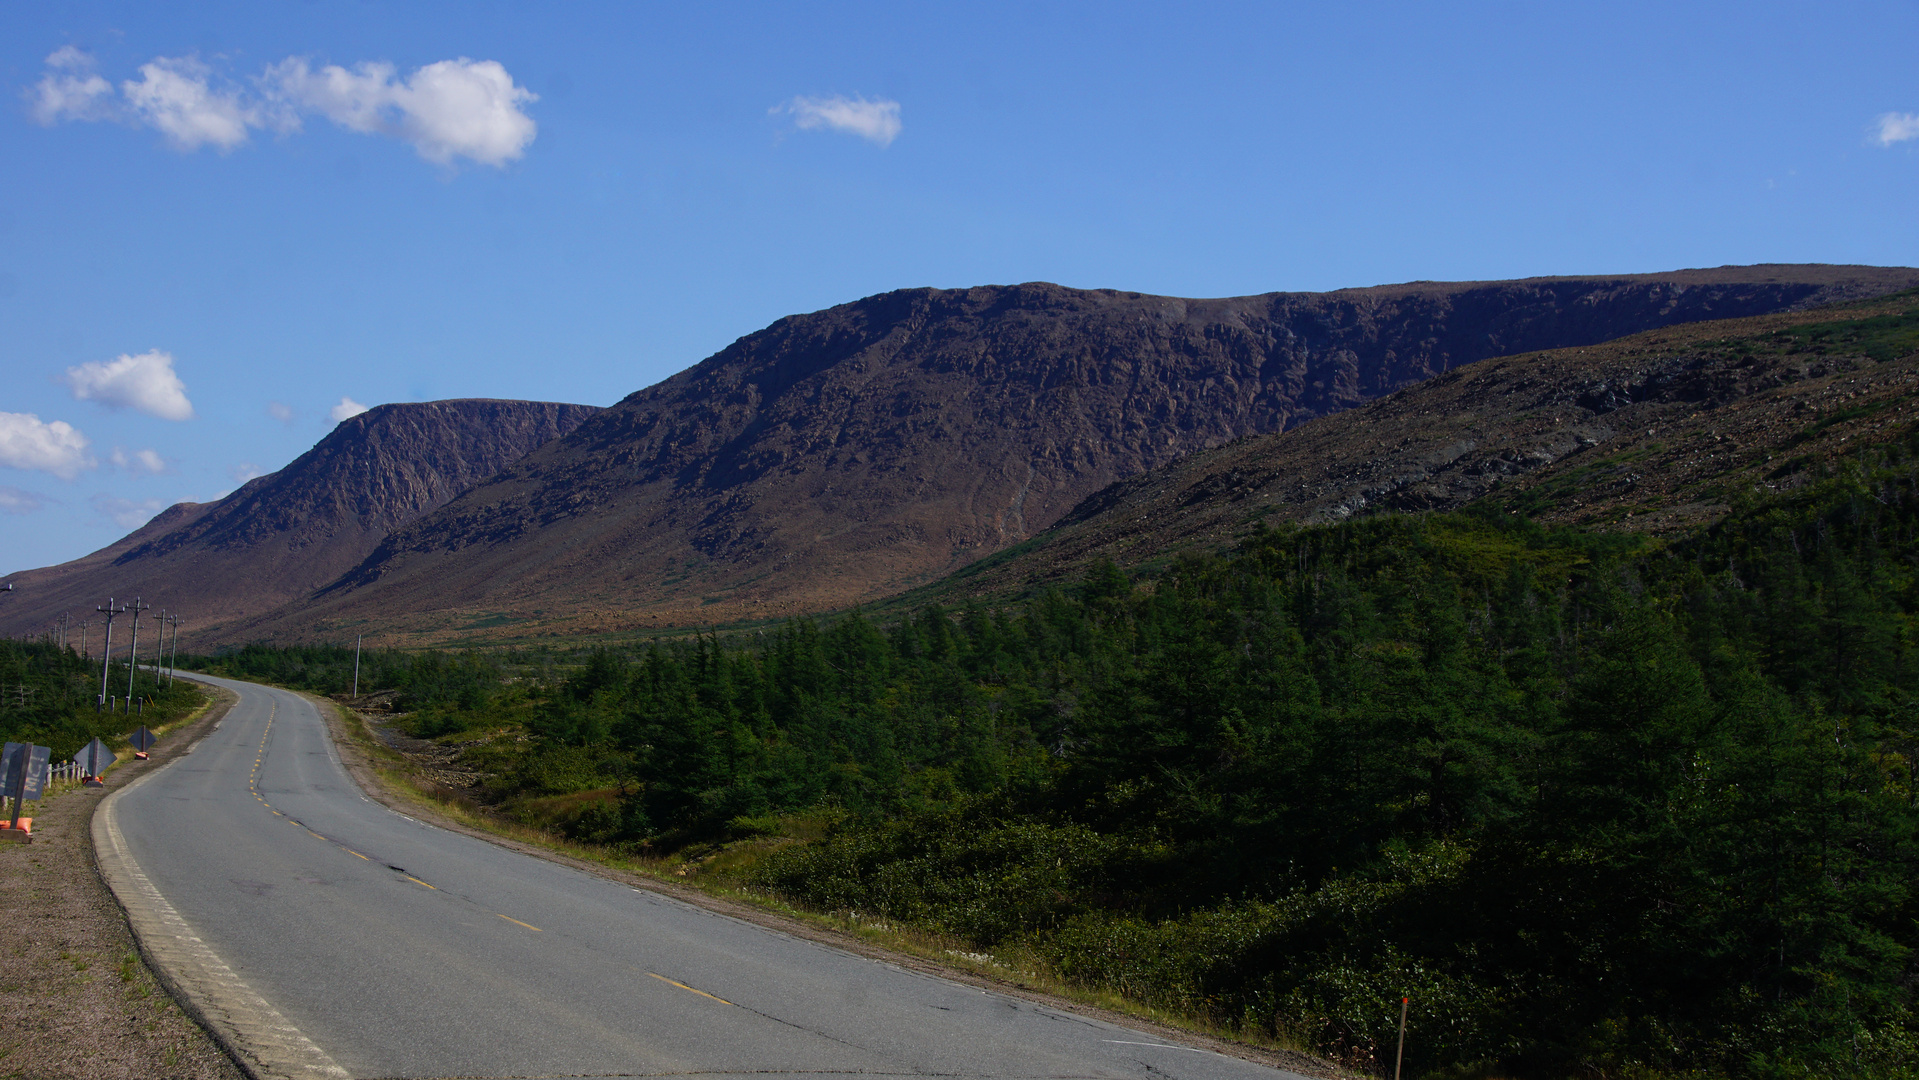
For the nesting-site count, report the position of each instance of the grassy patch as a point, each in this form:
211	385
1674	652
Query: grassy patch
1885	337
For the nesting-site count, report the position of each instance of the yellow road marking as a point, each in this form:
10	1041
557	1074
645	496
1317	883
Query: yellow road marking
685	987
417	881
511	919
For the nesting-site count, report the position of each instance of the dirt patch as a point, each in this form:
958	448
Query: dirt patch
76	999
360	737
435	762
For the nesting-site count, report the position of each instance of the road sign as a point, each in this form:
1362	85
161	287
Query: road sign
143	740
94	758
24	768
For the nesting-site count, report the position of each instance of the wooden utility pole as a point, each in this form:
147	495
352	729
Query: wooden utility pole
173	657
106	650
133	655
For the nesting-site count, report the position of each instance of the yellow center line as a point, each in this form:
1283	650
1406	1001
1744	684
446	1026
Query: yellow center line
253	784
683	986
529	926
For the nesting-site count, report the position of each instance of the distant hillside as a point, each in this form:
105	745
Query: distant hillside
279	537
1657	432
845	455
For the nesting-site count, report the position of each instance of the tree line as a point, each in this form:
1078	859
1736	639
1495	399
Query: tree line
49	696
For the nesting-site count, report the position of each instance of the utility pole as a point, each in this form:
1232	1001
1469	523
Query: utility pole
84	654
160	652
133	655
106	650
356	664
173	658
65	617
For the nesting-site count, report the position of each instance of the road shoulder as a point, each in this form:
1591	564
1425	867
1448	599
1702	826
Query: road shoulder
76	998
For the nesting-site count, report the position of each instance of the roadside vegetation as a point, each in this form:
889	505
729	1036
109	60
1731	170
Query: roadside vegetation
1598	805
48	696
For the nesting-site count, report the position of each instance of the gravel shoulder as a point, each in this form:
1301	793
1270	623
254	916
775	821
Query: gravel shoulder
76	998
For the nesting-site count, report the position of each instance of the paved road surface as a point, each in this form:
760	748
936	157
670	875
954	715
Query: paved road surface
402	950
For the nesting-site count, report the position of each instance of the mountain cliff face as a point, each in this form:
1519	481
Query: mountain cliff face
844	455
1657	432
281	536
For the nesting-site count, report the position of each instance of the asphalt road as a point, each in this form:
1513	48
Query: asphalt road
403	950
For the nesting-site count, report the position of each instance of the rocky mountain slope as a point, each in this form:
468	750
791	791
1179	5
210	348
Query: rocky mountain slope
1656	433
841	456
279	537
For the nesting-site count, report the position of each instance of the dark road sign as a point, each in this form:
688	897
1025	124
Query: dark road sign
24	769
94	757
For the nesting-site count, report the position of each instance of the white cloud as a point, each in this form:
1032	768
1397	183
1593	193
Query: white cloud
174	96
874	121
243	472
280	411
27	443
145	382
70	90
455	108
140	461
347	409
15	501
1898	127
127	513
451	109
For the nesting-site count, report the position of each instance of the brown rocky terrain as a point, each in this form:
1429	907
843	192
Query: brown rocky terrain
279	537
1655	433
845	455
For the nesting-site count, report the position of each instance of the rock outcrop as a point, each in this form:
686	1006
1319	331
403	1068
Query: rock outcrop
1657	432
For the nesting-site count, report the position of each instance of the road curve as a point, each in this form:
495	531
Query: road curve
327	935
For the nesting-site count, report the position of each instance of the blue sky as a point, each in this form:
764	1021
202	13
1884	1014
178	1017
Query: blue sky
217	221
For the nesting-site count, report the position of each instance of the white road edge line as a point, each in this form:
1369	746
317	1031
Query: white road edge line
257	1036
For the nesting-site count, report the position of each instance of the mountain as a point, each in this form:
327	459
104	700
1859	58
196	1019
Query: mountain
279	537
1657	432
841	456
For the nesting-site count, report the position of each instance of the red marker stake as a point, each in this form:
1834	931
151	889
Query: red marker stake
1402	1037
